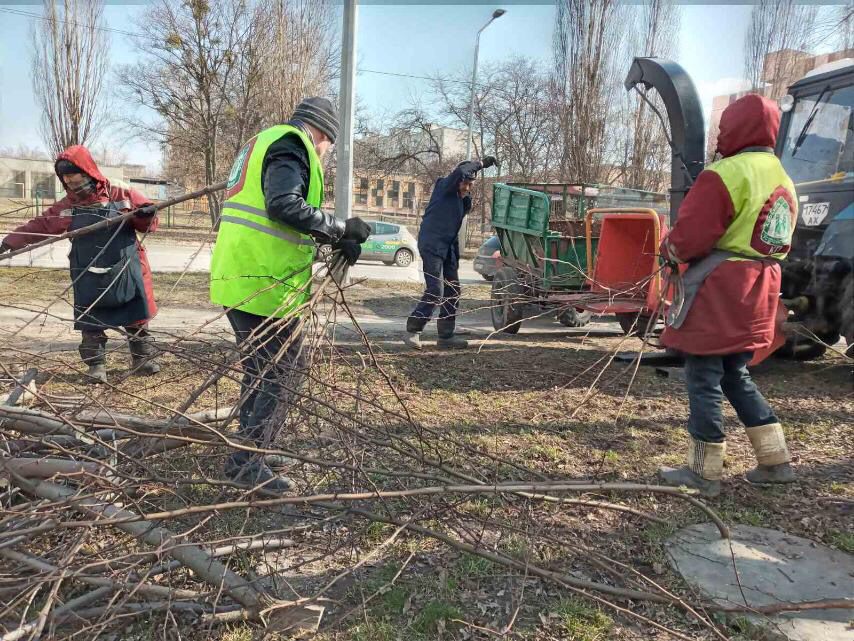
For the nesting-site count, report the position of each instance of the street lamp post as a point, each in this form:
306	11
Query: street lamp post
495	15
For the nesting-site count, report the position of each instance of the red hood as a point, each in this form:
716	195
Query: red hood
80	156
751	121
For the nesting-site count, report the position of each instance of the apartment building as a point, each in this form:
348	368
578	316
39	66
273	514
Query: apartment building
779	70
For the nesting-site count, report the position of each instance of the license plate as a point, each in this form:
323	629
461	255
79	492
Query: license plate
814	213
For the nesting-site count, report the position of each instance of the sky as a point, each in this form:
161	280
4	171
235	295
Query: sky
415	39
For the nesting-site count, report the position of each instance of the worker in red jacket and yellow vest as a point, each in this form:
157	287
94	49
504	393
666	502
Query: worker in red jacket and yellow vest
733	229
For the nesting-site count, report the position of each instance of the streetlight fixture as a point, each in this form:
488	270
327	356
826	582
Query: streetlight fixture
495	15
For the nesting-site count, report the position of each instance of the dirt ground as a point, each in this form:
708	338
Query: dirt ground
551	404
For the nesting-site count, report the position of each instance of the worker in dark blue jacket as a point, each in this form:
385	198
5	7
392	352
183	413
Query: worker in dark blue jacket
440	254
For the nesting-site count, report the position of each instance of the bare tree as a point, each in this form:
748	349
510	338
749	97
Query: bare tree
512	116
70	58
646	157
410	144
190	54
217	73
26	152
843	28
587	39
302	53
778	38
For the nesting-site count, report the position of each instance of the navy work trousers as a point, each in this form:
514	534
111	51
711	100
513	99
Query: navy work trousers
442	289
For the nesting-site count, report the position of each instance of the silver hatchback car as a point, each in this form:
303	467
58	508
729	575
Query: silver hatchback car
390	243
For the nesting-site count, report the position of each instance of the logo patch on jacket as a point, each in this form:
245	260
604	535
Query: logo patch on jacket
777	228
772	232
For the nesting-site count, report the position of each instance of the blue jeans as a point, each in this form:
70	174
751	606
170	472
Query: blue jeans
442	281
709	379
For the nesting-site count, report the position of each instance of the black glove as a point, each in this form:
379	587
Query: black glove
488	161
357	230
4	247
145	212
349	249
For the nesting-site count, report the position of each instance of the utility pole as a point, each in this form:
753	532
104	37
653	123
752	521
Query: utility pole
346	106
495	15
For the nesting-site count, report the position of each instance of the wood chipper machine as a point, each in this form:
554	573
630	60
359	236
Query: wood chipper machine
814	144
614	268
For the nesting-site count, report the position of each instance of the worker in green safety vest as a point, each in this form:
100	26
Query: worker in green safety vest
261	269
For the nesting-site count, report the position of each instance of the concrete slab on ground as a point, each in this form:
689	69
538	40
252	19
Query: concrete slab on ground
773	567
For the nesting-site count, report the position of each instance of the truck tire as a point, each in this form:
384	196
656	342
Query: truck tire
634	324
507	299
803	348
571	317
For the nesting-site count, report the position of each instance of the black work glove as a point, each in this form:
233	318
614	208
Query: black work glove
357	230
145	212
349	249
488	161
4	247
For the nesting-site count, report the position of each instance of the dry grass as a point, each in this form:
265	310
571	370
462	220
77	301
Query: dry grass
518	399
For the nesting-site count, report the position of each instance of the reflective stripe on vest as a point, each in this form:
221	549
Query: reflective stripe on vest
260	265
278	233
764	202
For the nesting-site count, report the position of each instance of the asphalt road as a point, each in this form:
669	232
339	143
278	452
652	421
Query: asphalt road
177	257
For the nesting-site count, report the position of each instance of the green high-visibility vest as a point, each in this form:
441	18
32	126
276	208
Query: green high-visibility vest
259	265
765	205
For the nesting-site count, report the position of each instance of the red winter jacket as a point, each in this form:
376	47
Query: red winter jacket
56	219
735	308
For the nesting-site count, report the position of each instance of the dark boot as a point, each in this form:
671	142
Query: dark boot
93	352
142	352
679	476
782	473
250	471
279	461
452	342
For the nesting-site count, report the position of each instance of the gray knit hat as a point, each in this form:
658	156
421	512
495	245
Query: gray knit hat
320	113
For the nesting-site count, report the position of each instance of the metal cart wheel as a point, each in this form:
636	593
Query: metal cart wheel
571	317
508	295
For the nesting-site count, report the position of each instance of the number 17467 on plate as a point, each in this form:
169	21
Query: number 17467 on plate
814	213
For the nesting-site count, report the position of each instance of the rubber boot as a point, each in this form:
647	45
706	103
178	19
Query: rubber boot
249	471
97	373
679	476
767	474
93	352
144	366
452	342
279	461
703	471
142	352
772	455
413	339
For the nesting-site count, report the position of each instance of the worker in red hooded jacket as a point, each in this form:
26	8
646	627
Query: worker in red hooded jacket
109	270
733	229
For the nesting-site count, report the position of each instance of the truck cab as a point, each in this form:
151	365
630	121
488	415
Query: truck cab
816	147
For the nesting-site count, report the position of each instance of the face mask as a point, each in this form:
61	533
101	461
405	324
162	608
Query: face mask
85	189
